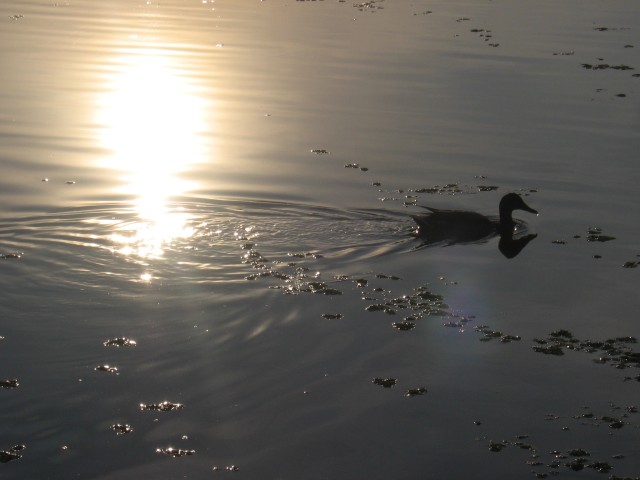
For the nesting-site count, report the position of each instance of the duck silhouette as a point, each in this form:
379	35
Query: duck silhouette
451	227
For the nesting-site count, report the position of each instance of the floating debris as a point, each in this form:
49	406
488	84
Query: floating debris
385	382
412	392
488	334
13	383
232	468
122	428
368	6
120	342
332	316
175	452
162	407
578	452
14	453
614	351
630	265
320	287
107	368
11	256
497	446
320	151
378	307
487	188
390	277
448	189
594	234
404	325
606	66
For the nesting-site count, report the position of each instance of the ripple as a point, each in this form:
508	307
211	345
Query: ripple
101	246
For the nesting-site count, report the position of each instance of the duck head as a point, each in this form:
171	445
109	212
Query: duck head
509	203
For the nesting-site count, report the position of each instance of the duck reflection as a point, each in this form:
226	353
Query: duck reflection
451	227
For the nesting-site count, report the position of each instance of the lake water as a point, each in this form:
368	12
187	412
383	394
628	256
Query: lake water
229	185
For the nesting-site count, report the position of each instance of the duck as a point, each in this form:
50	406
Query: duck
450	227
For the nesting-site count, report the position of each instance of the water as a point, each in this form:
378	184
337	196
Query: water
159	184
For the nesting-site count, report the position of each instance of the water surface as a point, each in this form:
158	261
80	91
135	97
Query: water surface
213	179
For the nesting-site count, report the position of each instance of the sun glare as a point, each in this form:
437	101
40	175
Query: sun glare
151	120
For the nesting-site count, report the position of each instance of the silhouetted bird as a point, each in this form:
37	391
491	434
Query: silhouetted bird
450	227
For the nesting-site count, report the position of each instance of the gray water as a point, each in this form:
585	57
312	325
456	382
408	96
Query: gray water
212	179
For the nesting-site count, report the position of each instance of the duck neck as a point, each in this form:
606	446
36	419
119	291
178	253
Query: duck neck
506	221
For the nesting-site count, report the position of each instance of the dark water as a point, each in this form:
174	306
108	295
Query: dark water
230	184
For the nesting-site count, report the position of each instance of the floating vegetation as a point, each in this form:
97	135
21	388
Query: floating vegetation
488	335
320	287
614	351
122	428
120	342
14	453
487	188
162	406
356	166
497	446
230	468
385	382
304	255
175	452
320	151
412	392
594	234
368	6
421	303
293	286
379	307
12	383
332	316
449	189
11	256
390	277
404	325
574	459
606	66
630	265
107	368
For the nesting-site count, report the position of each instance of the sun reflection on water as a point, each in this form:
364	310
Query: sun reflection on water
152	121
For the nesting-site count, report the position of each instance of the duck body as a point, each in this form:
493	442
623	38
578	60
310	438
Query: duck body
449	227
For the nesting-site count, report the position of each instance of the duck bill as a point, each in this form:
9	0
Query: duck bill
527	208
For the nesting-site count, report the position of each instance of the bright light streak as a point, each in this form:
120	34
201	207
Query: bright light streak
152	120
